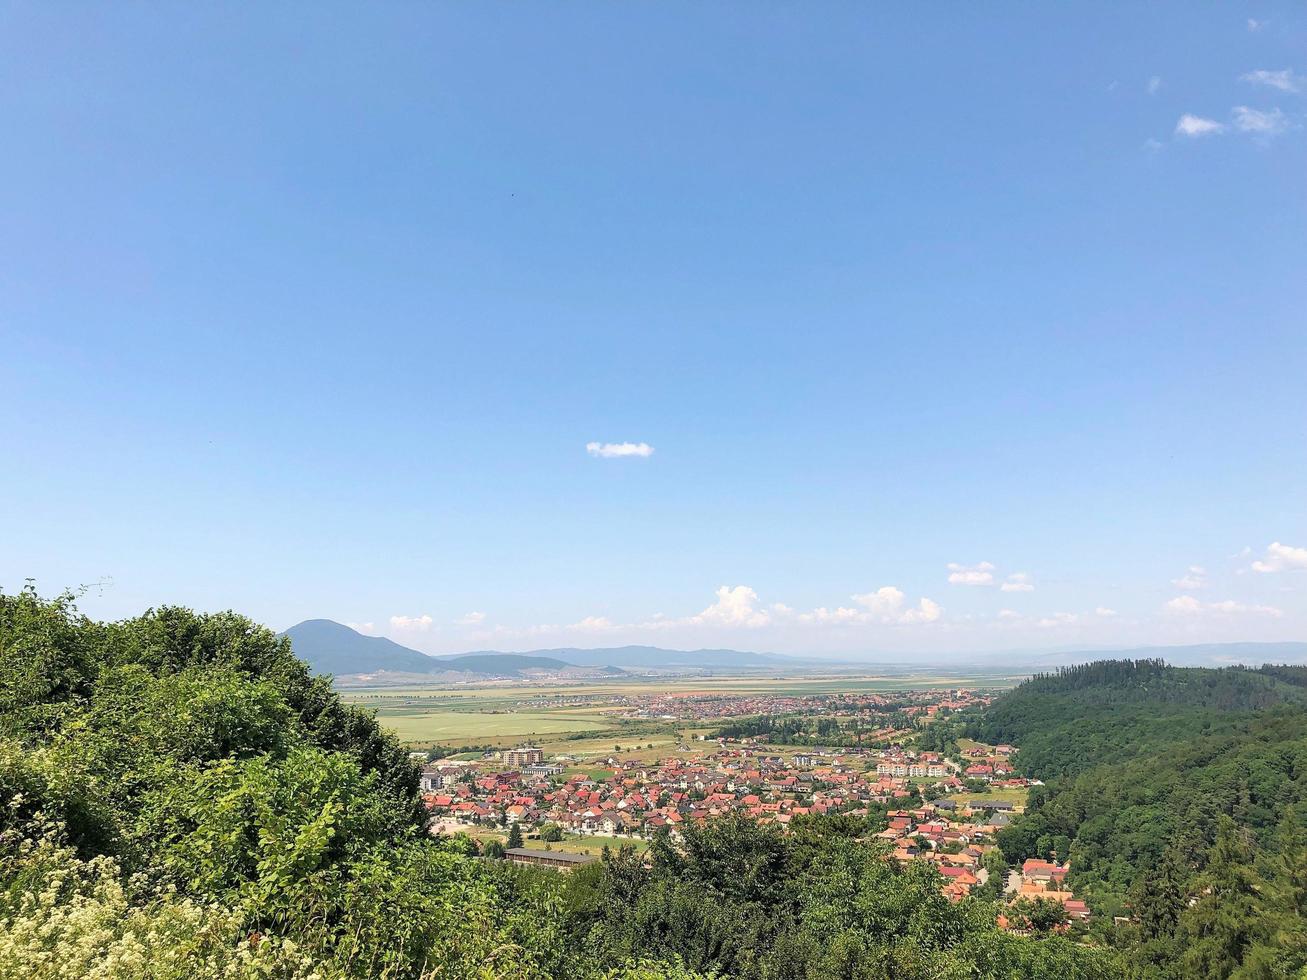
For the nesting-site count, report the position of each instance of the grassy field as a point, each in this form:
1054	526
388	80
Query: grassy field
469	727
839	684
502	715
586	845
1016	797
571	843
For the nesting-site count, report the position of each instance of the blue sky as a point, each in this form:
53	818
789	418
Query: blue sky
313	310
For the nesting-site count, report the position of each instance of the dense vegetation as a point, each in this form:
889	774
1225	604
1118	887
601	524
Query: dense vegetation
180	798
1178	795
799	729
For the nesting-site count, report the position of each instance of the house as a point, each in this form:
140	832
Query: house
1076	910
559	860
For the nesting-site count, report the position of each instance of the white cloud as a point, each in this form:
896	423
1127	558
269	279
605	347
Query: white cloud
473	618
615	450
980	574
1195	577
420	623
1281	558
884	607
1260	122
1059	619
1255	25
735	606
1191	125
927	611
1187	605
362	627
1011	619
1284	81
592	624
1154	84
1153	145
1018	582
738	606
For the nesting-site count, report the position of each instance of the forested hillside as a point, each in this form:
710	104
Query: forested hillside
1178	795
180	798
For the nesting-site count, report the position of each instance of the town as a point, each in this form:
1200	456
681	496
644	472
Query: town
945	809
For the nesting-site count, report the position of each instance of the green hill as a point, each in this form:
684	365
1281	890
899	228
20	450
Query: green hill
1177	795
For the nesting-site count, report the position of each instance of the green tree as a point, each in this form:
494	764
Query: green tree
514	835
1225	918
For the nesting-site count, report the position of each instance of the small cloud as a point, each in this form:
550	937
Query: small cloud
1059	619
1284	80
1260	122
593	624
1153	145
419	623
362	627
471	619
1154	84
1191	125
616	450
1104	612
980	574
1018	582
1255	25
1194	578
1187	605
1281	558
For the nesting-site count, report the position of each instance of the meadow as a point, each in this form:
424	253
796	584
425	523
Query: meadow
504	714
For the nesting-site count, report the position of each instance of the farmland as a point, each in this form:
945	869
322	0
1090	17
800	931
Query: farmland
587	720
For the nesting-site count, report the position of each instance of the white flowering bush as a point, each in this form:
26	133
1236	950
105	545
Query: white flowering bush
65	917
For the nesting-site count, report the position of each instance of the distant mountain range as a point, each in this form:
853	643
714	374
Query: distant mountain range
333	648
635	656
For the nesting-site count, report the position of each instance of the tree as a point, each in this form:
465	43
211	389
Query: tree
514	836
1226	919
1038	914
551	832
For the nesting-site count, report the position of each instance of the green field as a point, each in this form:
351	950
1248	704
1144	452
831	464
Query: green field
1016	797
501	715
468	727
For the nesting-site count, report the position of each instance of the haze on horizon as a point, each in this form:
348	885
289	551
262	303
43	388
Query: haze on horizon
908	332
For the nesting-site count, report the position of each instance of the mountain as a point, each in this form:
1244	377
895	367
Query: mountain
500	663
656	657
332	648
